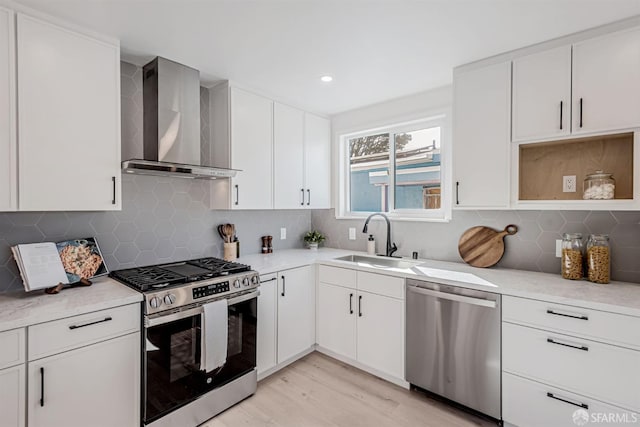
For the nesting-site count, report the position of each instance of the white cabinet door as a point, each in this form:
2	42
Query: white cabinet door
288	166
296	312
267	323
68	119
606	83
12	396
542	95
317	162
481	136
8	168
97	385
380	333
251	150
337	319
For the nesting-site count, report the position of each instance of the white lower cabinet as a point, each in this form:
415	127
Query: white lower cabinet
550	370
296	312
12	396
96	385
363	326
267	324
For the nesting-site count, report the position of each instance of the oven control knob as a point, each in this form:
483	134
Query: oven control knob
255	280
169	299
245	281
155	302
236	283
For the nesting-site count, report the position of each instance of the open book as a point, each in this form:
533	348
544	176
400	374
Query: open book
43	265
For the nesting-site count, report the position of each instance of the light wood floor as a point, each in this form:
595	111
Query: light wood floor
320	391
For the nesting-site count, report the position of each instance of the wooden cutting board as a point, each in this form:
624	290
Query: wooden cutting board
483	246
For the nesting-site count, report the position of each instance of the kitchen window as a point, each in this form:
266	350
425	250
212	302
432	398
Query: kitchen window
399	170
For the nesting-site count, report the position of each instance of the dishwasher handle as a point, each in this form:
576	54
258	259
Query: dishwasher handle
452	297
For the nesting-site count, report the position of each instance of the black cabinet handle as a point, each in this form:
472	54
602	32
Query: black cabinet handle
359	305
351	303
106	319
580	112
577	347
41	386
113	181
283	290
268	280
237	194
308	197
580	317
302	202
560	115
457	187
580	405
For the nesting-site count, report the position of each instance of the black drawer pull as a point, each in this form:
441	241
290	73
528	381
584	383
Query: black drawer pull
113	180
268	280
580	112
457	188
106	319
302	192
577	347
580	405
560	115
283	286
580	317
351	303
359	305
41	386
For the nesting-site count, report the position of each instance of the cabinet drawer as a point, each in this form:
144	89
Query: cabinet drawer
529	403
381	284
77	331
601	371
11	347
593	324
337	276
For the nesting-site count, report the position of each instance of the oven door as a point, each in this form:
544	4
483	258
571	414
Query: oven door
172	356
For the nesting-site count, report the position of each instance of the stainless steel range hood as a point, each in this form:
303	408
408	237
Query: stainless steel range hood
171	95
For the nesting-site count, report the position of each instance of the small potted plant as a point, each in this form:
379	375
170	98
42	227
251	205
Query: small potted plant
313	238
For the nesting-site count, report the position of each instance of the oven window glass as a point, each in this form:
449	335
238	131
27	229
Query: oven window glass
173	377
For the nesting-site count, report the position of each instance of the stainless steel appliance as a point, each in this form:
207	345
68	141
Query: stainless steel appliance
453	344
177	387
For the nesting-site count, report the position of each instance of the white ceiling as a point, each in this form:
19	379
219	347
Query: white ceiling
374	49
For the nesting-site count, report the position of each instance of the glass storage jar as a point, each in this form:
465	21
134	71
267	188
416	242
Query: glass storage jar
572	252
598	258
599	186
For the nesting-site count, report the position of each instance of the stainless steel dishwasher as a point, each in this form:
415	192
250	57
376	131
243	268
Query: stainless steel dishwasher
453	344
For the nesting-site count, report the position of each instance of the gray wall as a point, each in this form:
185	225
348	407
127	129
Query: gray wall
532	248
162	219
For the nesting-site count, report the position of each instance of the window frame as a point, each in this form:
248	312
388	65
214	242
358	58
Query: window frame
437	119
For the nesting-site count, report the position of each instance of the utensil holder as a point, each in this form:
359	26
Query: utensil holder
230	251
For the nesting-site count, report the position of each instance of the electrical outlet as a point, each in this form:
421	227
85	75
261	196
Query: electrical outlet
569	184
283	233
558	248
352	233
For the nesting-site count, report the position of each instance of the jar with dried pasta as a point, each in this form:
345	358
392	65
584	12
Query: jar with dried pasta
572	253
598	258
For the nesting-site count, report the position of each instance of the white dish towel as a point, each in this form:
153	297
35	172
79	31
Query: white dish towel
214	328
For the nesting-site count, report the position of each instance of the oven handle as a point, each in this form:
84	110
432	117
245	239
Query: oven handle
161	320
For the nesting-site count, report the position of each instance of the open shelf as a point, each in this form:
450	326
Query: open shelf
542	166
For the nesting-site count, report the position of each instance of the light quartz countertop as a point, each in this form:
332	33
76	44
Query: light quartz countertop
19	309
616	297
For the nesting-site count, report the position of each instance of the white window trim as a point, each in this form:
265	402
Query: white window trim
440	118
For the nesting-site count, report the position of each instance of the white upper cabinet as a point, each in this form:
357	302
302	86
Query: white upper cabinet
317	161
7	112
606	83
288	159
68	119
542	95
482	106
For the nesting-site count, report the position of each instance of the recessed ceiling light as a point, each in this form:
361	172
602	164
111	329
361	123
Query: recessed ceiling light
326	79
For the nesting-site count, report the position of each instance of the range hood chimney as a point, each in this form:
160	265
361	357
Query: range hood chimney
171	95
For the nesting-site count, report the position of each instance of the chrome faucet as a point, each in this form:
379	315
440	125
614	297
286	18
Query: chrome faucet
391	248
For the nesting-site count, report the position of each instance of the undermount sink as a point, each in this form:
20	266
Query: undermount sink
379	261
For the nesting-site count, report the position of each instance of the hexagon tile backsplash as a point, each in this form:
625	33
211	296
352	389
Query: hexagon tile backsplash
532	248
163	219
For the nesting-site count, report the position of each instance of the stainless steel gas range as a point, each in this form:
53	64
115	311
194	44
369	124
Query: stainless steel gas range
199	338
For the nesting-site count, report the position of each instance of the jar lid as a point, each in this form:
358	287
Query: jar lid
599	175
572	236
599	236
